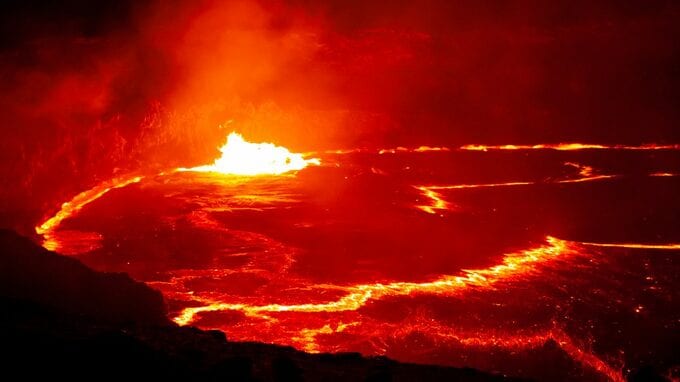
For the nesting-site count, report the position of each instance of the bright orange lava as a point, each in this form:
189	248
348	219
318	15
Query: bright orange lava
634	245
420	149
586	172
437	200
522	341
438	203
79	201
569	147
240	157
540	146
513	265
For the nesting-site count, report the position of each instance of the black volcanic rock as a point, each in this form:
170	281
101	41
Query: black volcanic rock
62	320
31	273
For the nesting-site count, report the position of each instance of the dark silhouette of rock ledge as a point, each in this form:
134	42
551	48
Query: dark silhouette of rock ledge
62	320
30	272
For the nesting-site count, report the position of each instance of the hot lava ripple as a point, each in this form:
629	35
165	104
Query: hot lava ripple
479	256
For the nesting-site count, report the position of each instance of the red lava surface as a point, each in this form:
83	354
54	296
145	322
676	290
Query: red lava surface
544	261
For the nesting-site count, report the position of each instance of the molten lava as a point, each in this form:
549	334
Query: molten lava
264	265
512	266
570	147
52	239
437	202
79	201
240	157
540	146
419	149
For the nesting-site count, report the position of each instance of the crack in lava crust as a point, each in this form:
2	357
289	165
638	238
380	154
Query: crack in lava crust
513	265
571	147
514	341
437	201
68	209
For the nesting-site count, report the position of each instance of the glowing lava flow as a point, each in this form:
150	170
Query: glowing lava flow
240	157
519	342
541	146
513	265
569	147
394	150
481	185
420	149
340	307
586	172
438	203
437	200
670	246
72	207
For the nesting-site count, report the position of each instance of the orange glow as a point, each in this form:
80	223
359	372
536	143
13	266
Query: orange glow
240	157
337	309
513	265
79	242
438	203
364	193
569	147
461	186
308	336
634	245
72	207
519	341
473	147
586	172
420	149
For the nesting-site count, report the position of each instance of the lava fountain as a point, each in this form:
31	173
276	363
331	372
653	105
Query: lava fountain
240	157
